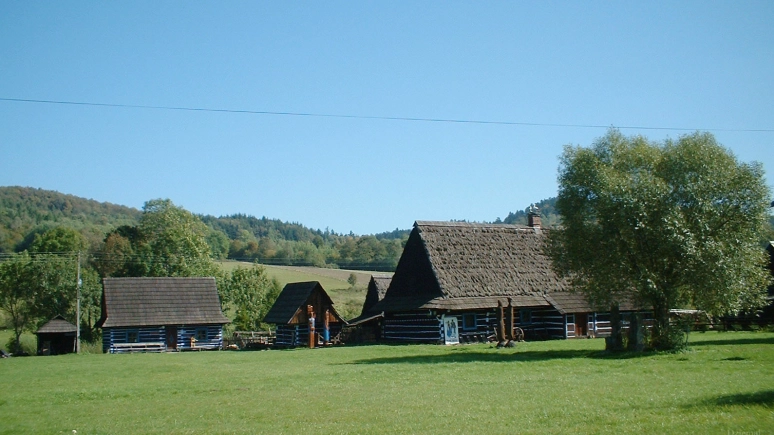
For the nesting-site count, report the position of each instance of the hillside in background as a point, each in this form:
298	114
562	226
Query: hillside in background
548	215
25	211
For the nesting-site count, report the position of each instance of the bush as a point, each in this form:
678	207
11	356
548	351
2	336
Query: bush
674	340
28	345
91	347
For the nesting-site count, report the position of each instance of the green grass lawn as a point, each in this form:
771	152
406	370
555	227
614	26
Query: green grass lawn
724	384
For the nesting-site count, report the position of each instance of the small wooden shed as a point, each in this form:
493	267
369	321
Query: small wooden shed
56	337
290	314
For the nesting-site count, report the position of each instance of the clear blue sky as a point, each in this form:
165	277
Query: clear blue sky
694	65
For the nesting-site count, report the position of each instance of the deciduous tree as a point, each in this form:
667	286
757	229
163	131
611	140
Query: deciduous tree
251	293
16	297
672	224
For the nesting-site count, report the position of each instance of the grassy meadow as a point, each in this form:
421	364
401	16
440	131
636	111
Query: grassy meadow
723	384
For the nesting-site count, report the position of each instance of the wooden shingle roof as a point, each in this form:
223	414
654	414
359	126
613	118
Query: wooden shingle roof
453	265
567	302
57	325
377	288
160	301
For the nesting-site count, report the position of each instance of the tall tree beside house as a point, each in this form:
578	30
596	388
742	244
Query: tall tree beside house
673	224
16	298
251	293
173	241
169	241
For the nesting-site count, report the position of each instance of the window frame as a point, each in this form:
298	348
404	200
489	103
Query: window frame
469	321
525	316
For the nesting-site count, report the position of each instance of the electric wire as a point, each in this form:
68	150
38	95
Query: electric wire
375	117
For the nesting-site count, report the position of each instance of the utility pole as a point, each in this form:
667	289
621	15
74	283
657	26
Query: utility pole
78	308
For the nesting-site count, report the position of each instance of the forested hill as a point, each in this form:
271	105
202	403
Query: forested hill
25	211
270	241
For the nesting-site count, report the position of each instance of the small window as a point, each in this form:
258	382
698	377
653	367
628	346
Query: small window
201	334
469	322
132	337
571	318
525	316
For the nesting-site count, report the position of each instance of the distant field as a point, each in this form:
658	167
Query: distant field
348	301
723	385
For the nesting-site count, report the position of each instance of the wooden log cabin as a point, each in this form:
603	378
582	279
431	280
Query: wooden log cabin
291	314
451	277
161	314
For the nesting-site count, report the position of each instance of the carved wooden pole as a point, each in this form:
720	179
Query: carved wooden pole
327	327
509	315
310	315
500	325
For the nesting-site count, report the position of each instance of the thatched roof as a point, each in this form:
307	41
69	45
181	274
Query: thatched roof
452	265
57	325
130	302
294	298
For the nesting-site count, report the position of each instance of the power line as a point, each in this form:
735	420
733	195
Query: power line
382	118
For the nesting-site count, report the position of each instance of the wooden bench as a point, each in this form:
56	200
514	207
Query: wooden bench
137	347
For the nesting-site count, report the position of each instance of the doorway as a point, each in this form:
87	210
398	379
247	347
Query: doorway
581	325
171	337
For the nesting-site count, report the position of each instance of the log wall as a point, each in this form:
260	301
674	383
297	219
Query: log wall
538	324
414	327
153	338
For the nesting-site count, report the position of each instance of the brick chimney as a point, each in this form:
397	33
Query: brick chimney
533	217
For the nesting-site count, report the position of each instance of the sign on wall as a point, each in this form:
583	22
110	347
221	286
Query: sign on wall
451	332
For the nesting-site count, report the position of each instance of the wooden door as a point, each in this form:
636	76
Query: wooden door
171	337
581	325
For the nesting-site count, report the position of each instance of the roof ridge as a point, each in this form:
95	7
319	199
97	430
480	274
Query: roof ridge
469	225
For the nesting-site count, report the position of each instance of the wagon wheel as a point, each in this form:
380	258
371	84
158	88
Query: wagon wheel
518	334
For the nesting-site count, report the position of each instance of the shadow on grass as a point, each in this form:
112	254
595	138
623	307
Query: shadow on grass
760	398
502	356
735	341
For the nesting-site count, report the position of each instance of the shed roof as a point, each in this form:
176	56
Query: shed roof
454	265
160	301
57	325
